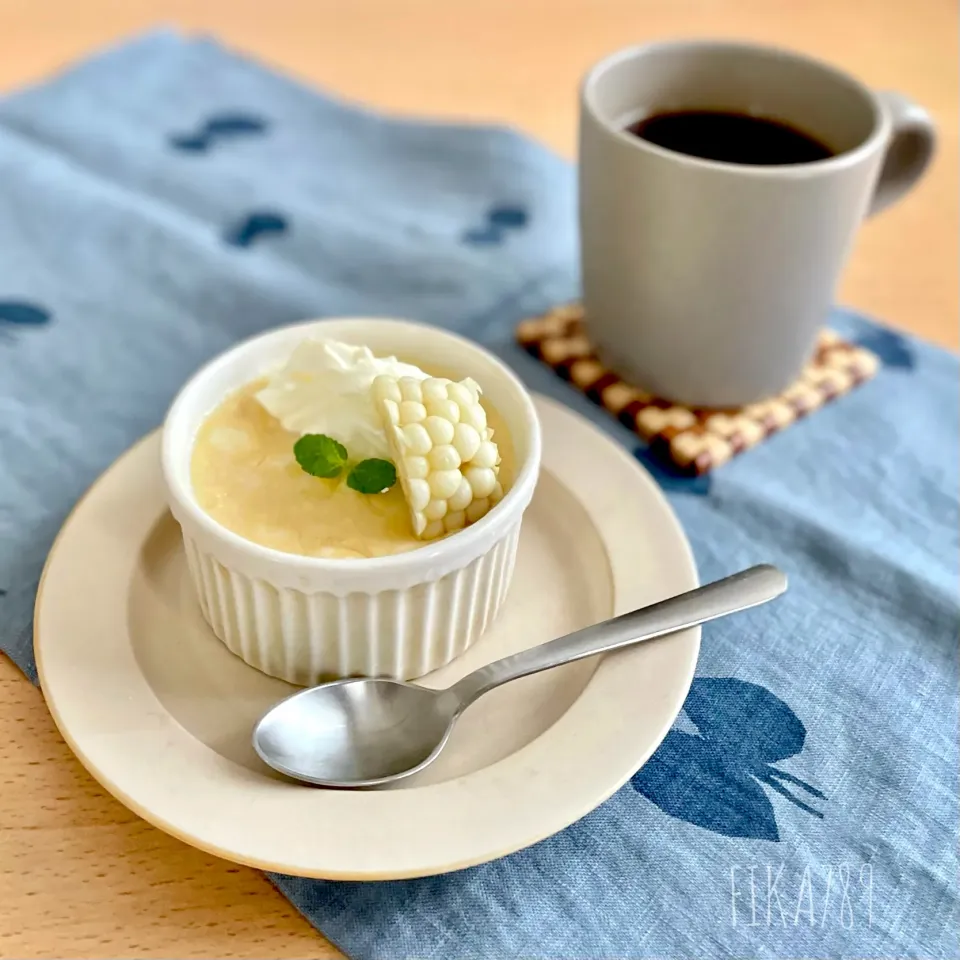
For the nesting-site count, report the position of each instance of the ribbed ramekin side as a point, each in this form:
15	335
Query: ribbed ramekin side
306	638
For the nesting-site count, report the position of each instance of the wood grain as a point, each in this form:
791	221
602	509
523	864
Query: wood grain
79	875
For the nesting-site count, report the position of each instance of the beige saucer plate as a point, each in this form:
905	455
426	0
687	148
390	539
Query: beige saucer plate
161	713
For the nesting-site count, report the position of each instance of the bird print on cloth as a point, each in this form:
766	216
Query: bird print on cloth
225	127
20	315
716	778
217	128
499	221
259	223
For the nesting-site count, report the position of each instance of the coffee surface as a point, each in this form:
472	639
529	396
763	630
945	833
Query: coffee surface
730	137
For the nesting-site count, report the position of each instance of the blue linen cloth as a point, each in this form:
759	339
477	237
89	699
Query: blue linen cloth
168	198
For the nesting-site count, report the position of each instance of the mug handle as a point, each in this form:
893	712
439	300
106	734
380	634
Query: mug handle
909	151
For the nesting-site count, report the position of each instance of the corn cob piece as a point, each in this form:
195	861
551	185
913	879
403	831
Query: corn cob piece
446	458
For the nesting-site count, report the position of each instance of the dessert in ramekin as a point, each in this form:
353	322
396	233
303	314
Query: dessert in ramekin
313	576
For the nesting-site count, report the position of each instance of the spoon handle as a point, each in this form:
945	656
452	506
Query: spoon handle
749	588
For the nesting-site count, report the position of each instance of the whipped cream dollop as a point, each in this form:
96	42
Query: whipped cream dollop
326	387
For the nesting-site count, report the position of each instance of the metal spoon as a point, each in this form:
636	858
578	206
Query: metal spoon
367	732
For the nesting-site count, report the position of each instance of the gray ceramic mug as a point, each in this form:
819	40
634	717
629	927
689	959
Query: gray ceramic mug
706	282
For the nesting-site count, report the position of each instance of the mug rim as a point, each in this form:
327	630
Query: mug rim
876	138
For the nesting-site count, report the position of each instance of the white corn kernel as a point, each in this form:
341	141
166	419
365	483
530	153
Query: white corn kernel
416	439
459	394
410	388
417	468
440	430
418	492
432	530
462	498
477	509
497	495
456	520
444	457
444	483
435	510
466	440
434	389
412	411
481	479
486	455
476	416
445	409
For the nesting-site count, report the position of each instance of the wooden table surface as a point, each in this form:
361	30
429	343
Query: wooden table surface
80	876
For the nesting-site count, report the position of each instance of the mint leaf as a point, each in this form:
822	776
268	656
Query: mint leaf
372	476
320	455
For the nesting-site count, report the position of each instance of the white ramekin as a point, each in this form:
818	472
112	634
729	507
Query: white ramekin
306	619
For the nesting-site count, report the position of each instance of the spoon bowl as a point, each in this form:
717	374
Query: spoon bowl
358	732
369	732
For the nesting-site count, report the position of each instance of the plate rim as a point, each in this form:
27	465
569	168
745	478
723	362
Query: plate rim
685	571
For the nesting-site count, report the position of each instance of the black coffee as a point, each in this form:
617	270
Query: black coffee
730	137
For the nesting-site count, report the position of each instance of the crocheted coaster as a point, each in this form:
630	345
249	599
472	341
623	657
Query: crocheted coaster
694	440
